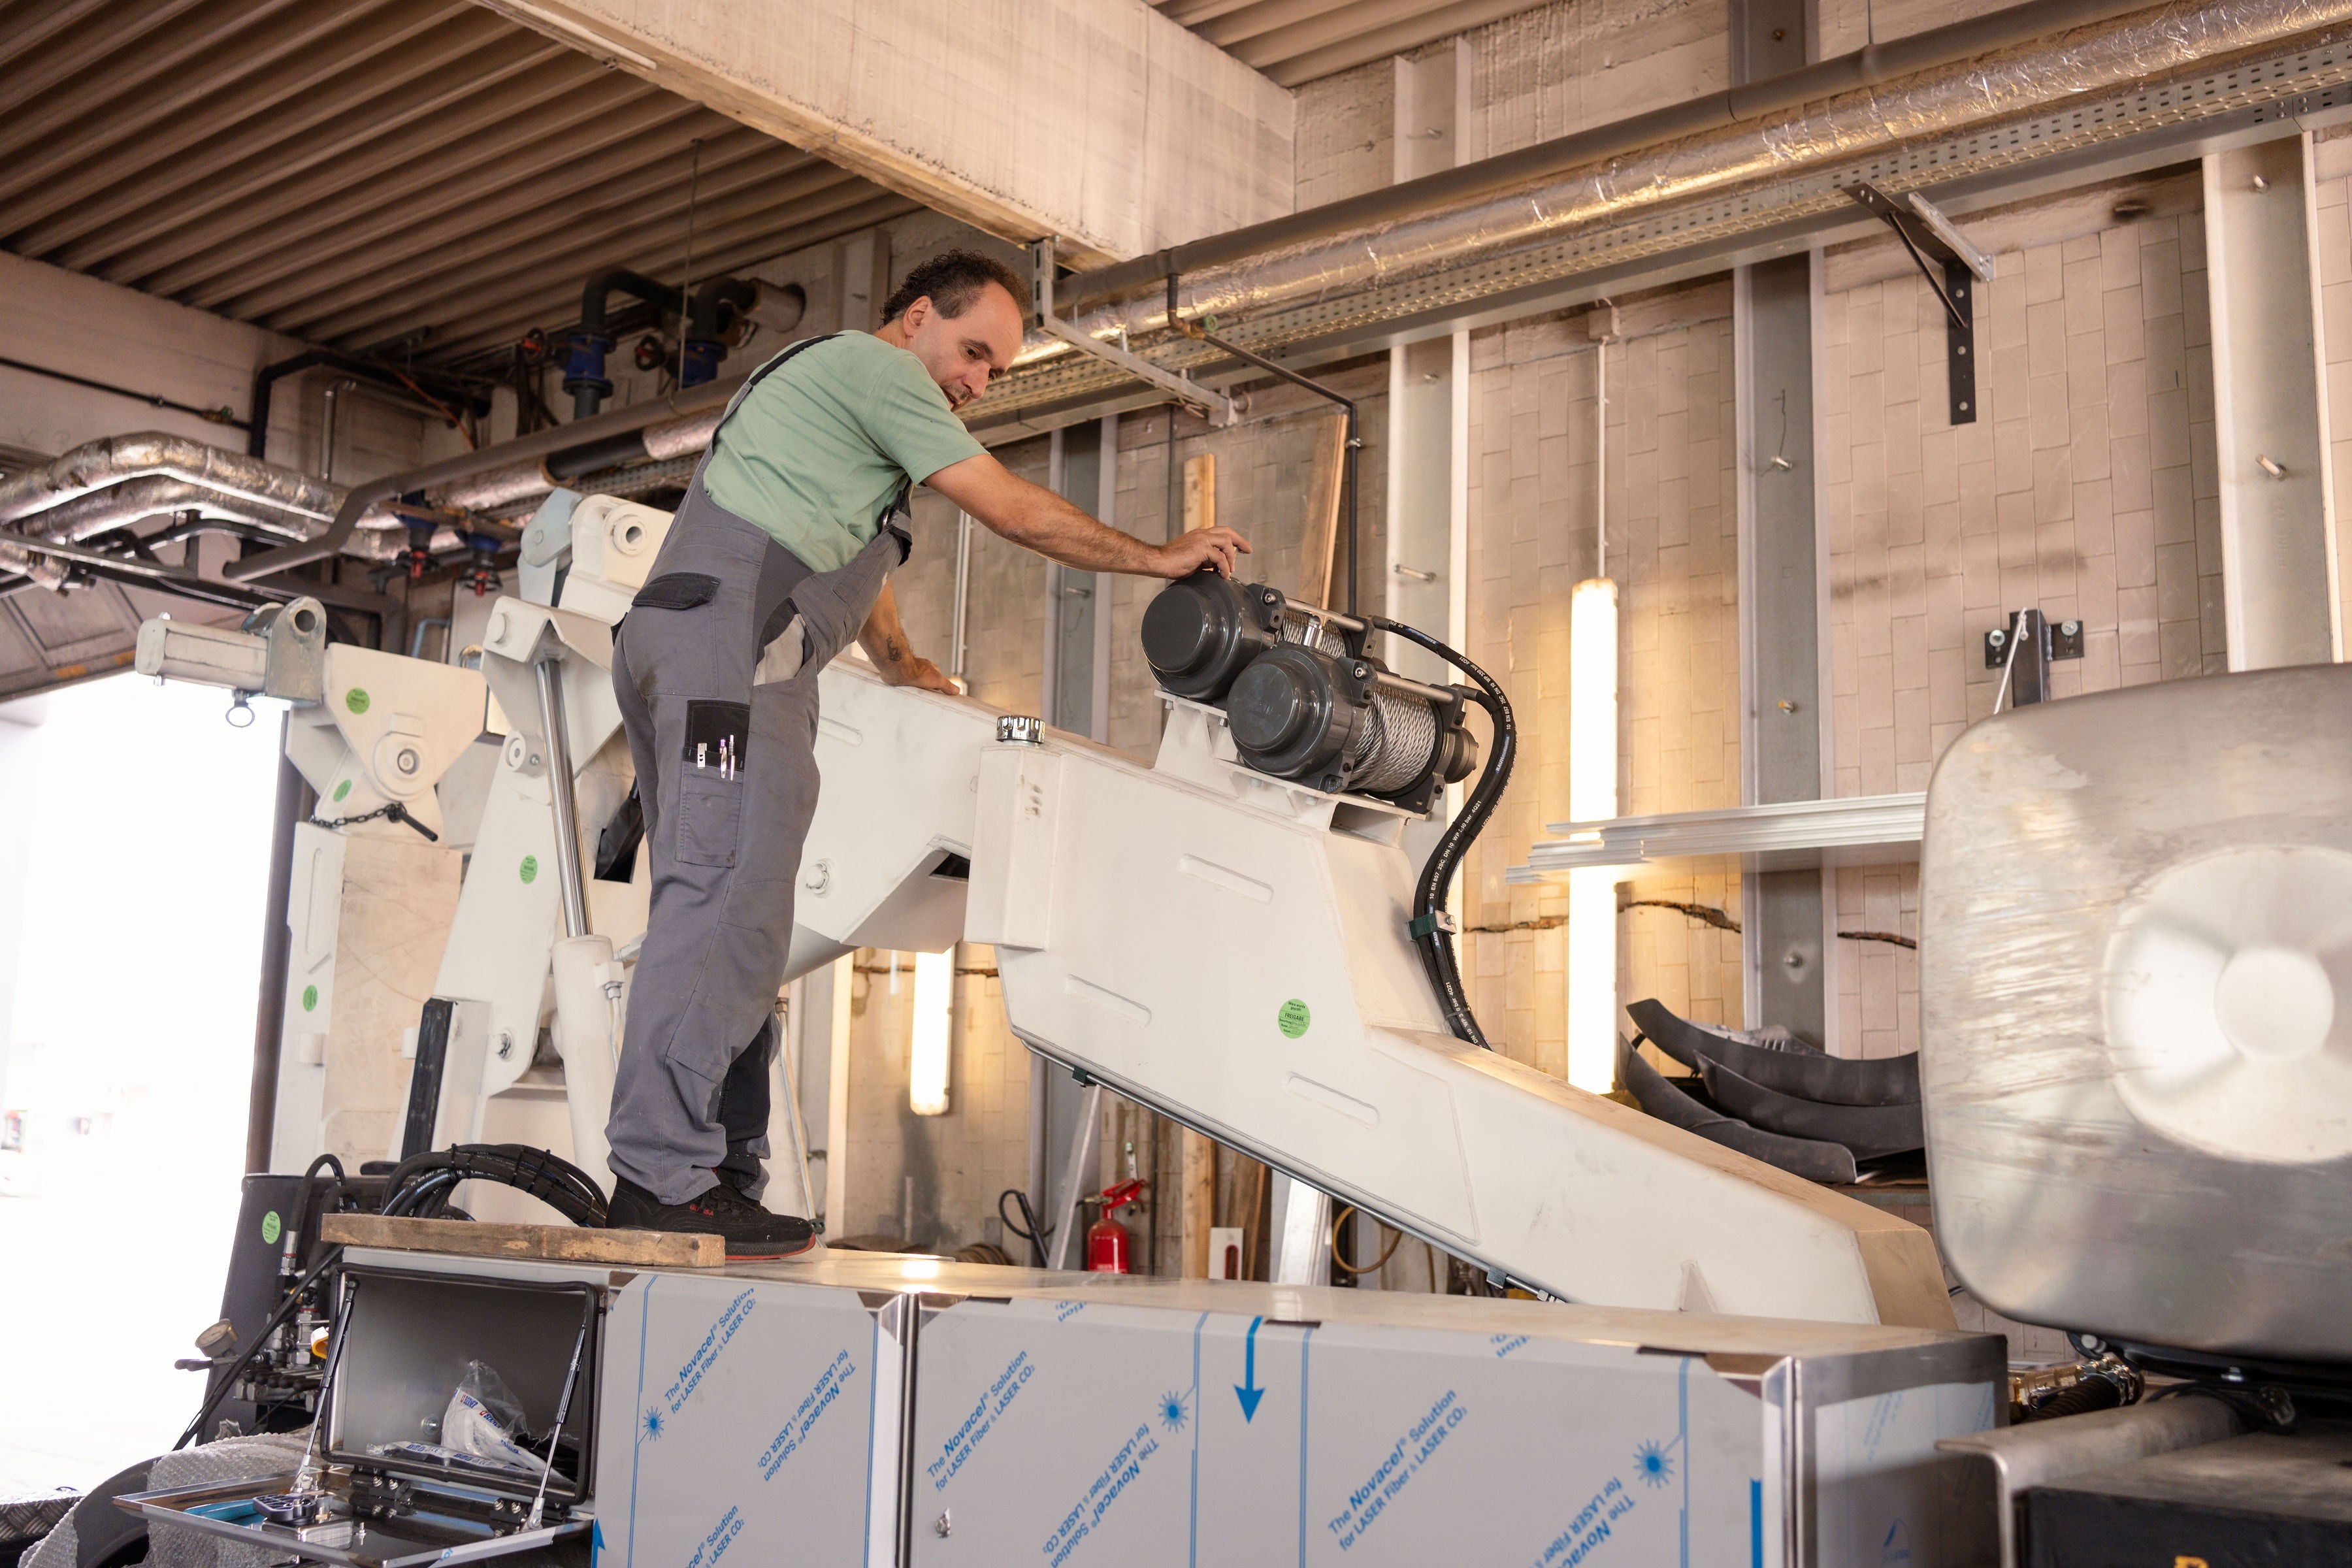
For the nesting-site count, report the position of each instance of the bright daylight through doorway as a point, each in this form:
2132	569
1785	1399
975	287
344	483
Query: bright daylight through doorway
131	896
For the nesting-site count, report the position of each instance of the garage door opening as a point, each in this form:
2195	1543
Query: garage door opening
131	879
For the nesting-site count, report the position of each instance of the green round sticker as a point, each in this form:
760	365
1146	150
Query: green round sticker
272	1227
530	868
309	999
356	700
1293	1018
341	791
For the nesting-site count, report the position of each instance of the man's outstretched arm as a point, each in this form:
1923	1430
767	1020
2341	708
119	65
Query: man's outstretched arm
883	638
1035	516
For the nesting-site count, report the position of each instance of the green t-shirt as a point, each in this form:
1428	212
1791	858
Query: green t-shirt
813	452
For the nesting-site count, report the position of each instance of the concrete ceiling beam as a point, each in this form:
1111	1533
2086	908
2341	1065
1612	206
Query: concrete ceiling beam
1099	122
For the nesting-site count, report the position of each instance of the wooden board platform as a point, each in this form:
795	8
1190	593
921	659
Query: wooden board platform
554	1243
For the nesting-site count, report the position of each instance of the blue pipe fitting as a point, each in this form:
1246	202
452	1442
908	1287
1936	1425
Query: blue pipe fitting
701	361
583	372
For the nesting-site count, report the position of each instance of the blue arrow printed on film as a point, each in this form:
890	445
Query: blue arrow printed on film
1247	1389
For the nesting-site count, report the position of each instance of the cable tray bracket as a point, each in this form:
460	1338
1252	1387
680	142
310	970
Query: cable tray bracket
1220	409
1951	266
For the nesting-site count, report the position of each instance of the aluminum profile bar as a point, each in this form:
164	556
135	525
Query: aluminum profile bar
1963	249
1798	827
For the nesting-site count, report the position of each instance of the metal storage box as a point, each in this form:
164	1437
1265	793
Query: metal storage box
407	1336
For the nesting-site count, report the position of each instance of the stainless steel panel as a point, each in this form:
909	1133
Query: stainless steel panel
2137	1057
756	1420
408	1339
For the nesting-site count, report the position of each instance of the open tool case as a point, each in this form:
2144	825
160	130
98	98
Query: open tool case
373	1492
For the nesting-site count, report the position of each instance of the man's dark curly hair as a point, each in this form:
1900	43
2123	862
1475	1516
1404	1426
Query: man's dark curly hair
953	279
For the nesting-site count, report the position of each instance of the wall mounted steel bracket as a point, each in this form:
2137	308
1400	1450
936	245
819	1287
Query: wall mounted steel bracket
2044	641
1952	266
1218	408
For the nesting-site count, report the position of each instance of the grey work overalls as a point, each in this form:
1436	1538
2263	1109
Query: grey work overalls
727	776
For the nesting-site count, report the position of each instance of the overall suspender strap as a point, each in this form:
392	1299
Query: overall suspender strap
899	506
759	376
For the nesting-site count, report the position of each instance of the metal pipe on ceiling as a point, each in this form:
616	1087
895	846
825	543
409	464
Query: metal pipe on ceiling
132	501
513	469
153	495
121	479
232	476
1935	83
1998	30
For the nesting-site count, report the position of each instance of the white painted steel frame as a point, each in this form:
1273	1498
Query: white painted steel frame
1230	950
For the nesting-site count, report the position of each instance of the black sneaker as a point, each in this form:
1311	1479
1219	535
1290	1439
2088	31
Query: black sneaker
751	1232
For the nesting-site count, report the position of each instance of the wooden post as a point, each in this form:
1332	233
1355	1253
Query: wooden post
1201	491
1321	542
1248	1212
1200	1201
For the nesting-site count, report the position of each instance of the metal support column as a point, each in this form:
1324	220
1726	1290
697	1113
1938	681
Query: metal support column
1076	697
560	790
295	802
1420	579
2275	589
1784	726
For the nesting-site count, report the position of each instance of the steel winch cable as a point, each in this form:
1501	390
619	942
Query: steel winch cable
1433	928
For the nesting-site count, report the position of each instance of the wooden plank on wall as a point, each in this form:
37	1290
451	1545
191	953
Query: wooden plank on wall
1321	542
1201	491
1200	1202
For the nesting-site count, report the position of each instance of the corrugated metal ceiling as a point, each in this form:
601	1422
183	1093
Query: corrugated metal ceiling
351	172
357	173
1298	40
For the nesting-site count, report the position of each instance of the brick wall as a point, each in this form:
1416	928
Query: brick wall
2086	488
1672	551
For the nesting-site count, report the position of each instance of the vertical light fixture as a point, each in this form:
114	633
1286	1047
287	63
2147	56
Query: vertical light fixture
933	1009
1592	797
1592	782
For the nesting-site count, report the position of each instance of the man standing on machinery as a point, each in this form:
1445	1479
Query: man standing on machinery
782	552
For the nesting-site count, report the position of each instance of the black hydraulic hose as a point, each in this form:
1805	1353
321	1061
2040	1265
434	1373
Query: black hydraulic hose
1433	931
1035	1236
276	1321
302	1194
419	1185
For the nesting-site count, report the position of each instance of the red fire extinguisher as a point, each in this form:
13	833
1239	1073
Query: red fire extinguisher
1106	1238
